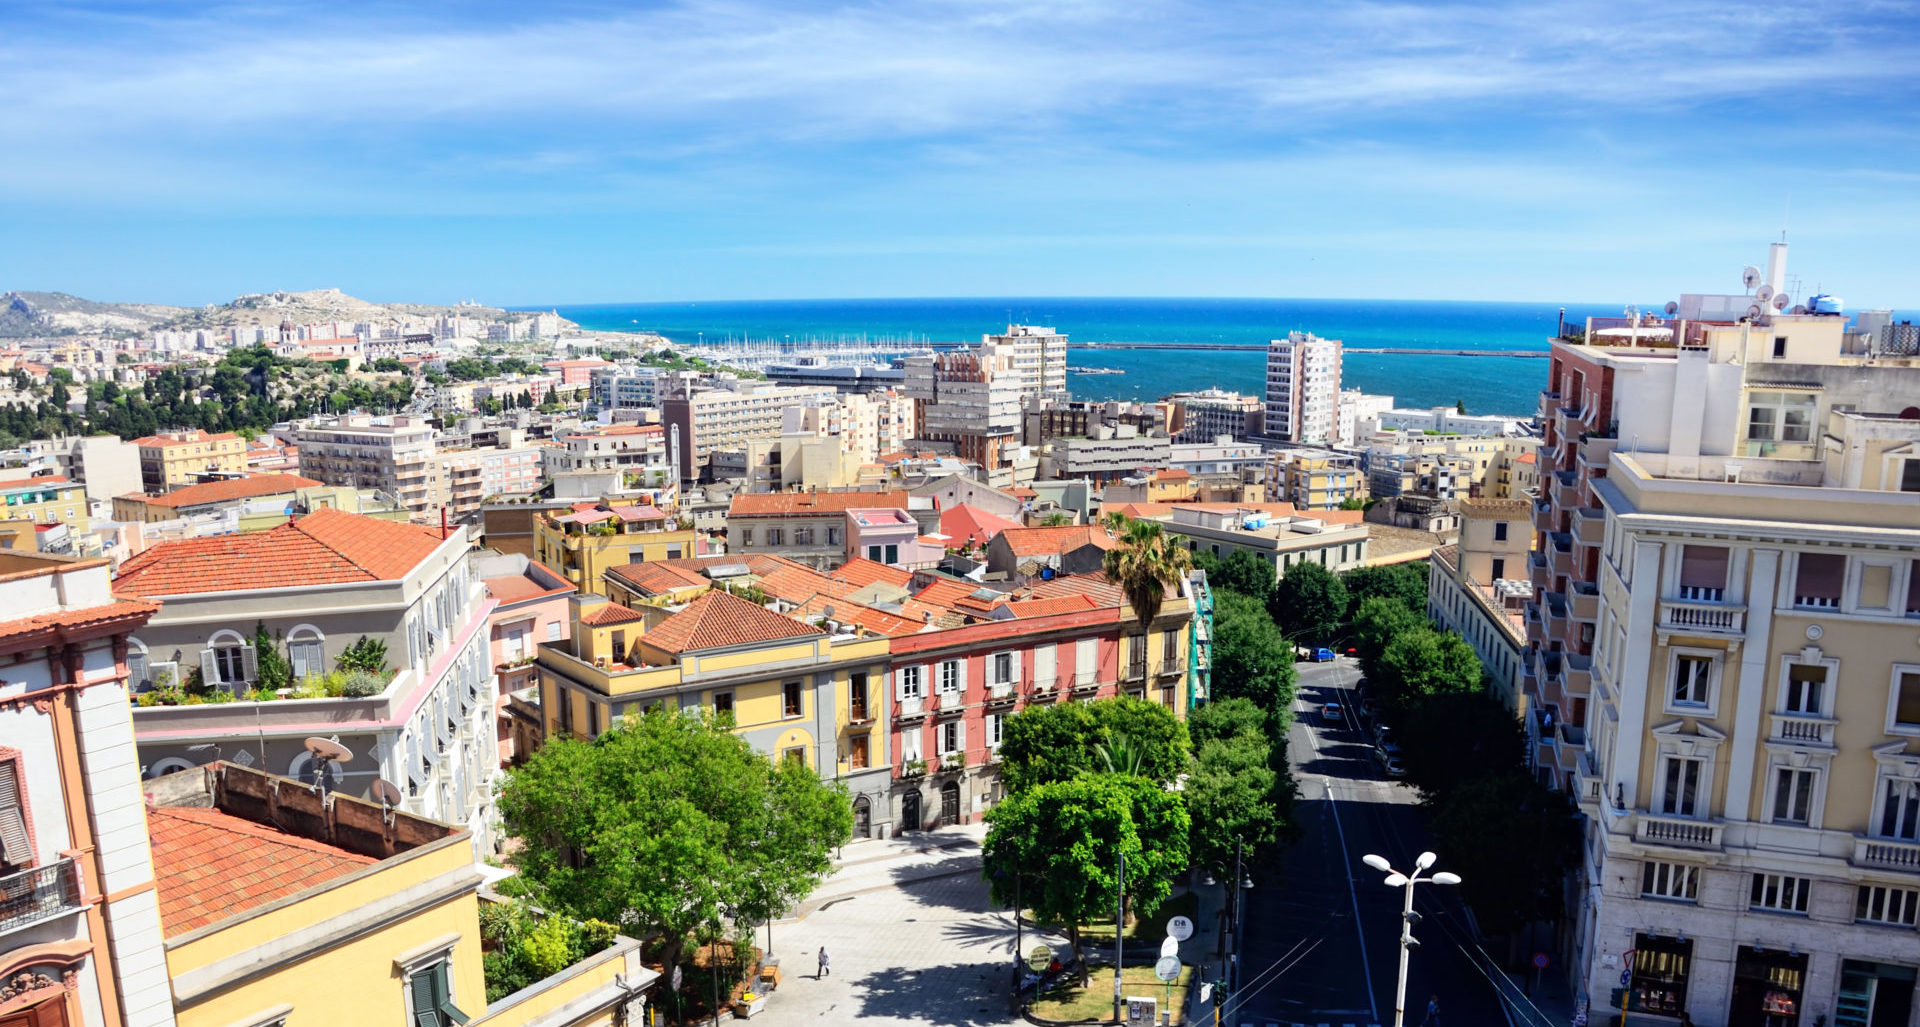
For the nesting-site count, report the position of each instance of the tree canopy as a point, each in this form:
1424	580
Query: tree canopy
1145	565
1233	791
1425	662
1309	602
1404	583
1514	840
1046	743
666	823
1251	659
1244	573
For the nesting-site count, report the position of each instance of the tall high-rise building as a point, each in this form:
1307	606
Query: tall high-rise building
1303	388
1039	358
1722	665
970	398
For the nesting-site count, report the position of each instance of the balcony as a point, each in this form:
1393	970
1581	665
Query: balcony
1000	693
1702	619
39	894
1587	779
1549	404
1043	689
1543	516
1086	685
1170	668
1578	674
1584	600
1803	729
1590	525
859	714
1133	673
1555	604
1680	832
1887	854
914	708
1560	553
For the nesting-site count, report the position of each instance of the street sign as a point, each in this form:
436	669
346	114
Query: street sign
1169	946
1179	928
1037	958
1626	958
1206	991
1626	978
1167	968
1539	960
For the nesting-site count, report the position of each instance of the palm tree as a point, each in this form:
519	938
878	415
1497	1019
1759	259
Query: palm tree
1144	564
1055	519
1115	522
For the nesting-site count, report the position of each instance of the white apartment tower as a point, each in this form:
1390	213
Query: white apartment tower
1303	388
1723	666
1039	359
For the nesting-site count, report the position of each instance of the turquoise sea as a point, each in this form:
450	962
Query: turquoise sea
1485	384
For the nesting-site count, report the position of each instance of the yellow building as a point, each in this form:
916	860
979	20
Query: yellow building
1316	479
287	906
795	690
173	459
584	542
51	500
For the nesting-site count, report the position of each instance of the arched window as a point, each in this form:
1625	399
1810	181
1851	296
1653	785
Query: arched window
307	651
168	765
228	660
139	667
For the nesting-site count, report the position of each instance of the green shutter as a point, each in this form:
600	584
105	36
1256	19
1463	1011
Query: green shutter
426	1002
443	985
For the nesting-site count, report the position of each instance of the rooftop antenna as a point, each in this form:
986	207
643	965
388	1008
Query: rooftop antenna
325	753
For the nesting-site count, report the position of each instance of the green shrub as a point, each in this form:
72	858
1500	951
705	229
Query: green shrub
361	685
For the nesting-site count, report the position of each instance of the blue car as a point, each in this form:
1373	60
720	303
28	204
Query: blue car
1322	655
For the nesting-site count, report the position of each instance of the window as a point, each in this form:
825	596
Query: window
553	631
227	663
430	997
1499	531
1819	579
1703	573
795	754
1780	417
790	699
991	724
857	754
1659	973
950	737
1903	712
16	845
950	677
1779	347
1900	809
857	696
892	554
1793	795
1910	476
875	553
1086	660
1692	681
308	656
910	745
803	536
139	669
723	703
912	682
775	537
1805	689
1669	881
1880	904
833	536
1680	786
1779	893
1001	668
746	536
1499	568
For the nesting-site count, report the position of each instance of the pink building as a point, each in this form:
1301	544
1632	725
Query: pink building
891	536
575	372
531	610
953	689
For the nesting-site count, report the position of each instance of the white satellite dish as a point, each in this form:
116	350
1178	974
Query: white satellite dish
1754	311
1782	301
1672	308
1764	293
1750	276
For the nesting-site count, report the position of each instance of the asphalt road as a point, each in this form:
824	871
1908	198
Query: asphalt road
1321	896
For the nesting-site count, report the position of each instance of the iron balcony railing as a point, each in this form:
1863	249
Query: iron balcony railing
29	896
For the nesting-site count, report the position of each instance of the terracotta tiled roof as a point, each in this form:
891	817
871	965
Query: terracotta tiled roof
1524	458
861	572
611	613
253	486
848	612
967	521
68	620
1172	474
638	513
326	547
1058	604
513	588
944	593
658	578
1094	586
720	619
211	865
1054	540
783	504
796	584
28	483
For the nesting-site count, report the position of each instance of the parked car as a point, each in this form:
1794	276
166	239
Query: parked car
1322	655
1382	734
1390	762
1331	713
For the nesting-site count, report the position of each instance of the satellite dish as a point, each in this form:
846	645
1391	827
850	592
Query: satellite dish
1764	293
1750	276
1755	311
386	792
1782	301
1672	308
326	750
1798	309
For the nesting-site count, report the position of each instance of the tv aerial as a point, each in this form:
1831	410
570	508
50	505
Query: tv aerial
1750	276
325	753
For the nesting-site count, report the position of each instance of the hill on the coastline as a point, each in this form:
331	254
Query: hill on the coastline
25	314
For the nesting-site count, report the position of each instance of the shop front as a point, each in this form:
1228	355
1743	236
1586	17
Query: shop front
1767	988
1873	994
1660	969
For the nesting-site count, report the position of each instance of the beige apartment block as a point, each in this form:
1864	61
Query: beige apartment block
392	453
1478	590
1727	613
172	459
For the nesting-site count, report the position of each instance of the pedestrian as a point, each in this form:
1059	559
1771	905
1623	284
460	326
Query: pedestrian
824	969
1433	1012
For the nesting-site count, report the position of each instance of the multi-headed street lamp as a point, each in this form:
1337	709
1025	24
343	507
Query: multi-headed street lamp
1396	879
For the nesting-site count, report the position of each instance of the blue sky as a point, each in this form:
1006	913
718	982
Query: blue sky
578	152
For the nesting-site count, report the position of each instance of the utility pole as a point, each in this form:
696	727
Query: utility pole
1396	879
1119	932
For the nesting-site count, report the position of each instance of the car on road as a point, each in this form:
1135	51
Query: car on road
1331	713
1388	755
1322	655
1382	734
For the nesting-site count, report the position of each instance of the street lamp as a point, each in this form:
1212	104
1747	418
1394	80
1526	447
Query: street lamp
1396	879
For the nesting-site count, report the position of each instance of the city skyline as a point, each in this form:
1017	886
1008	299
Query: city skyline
715	151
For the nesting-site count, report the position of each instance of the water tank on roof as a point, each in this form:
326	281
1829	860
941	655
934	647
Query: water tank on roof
1254	522
1824	304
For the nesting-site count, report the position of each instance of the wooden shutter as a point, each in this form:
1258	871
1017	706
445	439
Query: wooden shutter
14	846
249	663
209	667
1043	664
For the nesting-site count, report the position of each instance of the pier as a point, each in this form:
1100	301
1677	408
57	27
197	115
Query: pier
759	353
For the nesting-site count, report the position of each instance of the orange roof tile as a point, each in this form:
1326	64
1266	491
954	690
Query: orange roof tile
513	588
720	619
658	578
211	865
253	486
1055	540
795	584
1094	586
67	620
782	504
326	547
611	613
1172	474
1056	604
848	612
967	521
861	572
